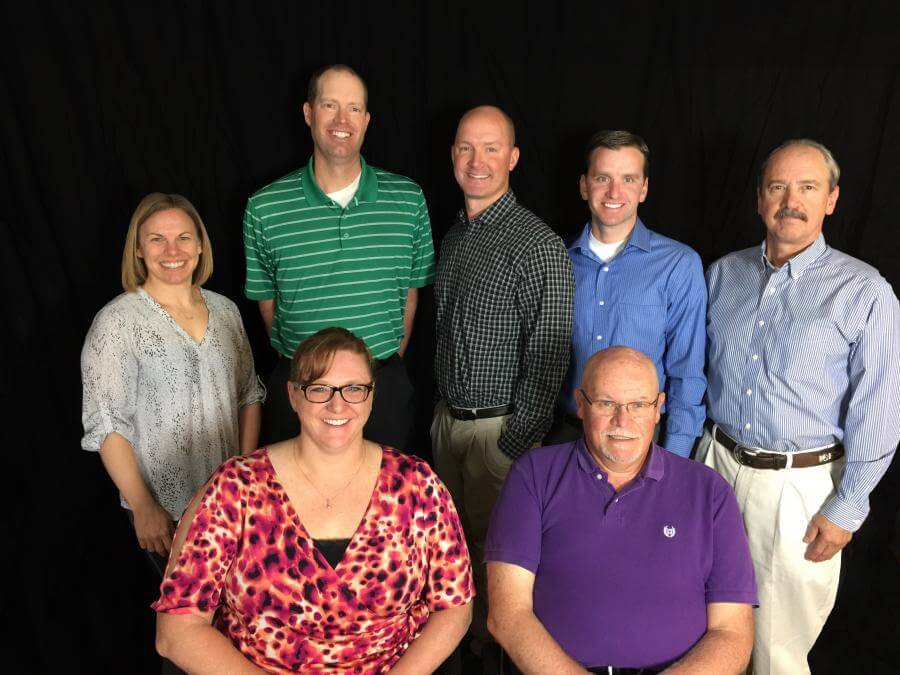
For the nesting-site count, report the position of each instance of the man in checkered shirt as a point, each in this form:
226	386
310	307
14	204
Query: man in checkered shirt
503	291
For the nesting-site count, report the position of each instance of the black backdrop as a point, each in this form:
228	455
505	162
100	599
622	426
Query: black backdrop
102	103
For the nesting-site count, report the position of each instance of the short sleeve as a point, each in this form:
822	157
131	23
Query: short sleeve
731	578
449	580
109	372
514	535
260	281
194	583
422	268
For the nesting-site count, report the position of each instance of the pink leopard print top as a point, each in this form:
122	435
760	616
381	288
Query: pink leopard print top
248	557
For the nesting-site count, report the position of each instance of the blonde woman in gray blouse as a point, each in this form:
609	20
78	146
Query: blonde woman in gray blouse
169	386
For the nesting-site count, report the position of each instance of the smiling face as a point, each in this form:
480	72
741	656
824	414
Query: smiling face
613	187
169	245
335	425
793	199
337	118
619	442
483	154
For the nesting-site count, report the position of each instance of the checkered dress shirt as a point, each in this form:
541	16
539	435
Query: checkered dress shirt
503	291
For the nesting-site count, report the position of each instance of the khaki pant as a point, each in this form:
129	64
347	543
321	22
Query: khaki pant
795	595
469	463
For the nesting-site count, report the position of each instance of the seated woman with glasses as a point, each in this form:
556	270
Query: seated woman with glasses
321	553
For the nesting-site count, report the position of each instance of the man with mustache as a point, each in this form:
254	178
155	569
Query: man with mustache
610	553
804	388
340	243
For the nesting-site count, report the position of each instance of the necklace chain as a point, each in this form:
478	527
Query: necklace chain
328	500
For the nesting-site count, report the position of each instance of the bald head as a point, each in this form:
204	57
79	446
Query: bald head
635	362
490	114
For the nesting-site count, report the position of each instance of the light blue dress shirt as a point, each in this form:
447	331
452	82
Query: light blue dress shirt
804	356
651	297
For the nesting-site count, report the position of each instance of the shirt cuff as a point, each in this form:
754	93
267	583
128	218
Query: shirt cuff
679	444
844	514
510	446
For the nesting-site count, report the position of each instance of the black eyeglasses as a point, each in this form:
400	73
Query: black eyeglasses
322	393
637	409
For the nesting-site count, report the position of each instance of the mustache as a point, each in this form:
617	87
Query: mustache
787	212
617	431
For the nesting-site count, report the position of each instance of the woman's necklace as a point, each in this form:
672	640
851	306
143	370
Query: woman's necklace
328	500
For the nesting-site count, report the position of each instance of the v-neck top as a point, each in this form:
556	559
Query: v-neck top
248	558
174	399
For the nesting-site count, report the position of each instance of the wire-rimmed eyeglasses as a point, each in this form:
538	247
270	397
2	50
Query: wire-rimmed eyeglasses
637	409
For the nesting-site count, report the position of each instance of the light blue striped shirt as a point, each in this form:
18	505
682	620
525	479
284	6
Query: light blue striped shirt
804	356
650	297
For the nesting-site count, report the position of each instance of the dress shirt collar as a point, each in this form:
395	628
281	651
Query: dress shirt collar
496	213
798	264
654	467
367	191
639	237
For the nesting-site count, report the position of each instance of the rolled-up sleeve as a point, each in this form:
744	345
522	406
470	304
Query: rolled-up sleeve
109	373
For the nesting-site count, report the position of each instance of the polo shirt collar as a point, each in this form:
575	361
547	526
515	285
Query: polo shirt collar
798	264
367	191
639	237
654	468
496	213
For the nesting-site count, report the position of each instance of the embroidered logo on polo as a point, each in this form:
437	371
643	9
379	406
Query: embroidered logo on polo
669	531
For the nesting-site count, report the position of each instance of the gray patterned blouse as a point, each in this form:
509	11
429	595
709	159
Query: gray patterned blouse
175	400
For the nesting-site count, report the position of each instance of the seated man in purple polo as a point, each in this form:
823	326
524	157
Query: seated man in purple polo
609	554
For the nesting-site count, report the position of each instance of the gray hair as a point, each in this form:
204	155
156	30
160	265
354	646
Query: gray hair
834	171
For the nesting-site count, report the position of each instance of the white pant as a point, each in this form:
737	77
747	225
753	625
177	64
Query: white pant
795	595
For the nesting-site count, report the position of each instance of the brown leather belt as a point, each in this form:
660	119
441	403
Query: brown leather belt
480	413
760	459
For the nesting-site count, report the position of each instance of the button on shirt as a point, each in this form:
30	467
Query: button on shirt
805	356
652	297
503	294
622	577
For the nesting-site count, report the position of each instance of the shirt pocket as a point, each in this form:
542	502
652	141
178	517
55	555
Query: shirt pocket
641	326
804	350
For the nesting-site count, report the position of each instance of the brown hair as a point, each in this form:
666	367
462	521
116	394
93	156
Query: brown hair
134	270
312	90
314	355
612	139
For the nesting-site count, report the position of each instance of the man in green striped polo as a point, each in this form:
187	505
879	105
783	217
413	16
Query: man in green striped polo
340	243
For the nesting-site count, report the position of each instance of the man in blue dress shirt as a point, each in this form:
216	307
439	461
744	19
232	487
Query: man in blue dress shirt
636	288
804	389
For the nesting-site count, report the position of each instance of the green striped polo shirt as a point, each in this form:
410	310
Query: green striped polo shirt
332	266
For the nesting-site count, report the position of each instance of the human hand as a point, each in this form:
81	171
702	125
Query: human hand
154	528
824	539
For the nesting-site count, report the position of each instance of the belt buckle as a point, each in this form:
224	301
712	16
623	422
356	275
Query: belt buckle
738	455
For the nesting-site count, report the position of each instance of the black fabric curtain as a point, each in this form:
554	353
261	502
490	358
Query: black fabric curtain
103	103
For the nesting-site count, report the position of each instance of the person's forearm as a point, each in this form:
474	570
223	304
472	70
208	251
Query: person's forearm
248	427
530	646
409	318
199	648
442	633
120	463
267	311
719	651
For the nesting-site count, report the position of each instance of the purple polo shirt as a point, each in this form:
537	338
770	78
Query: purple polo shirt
622	578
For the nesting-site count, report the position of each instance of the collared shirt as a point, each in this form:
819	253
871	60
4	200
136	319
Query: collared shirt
652	297
327	265
622	577
503	292
804	356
